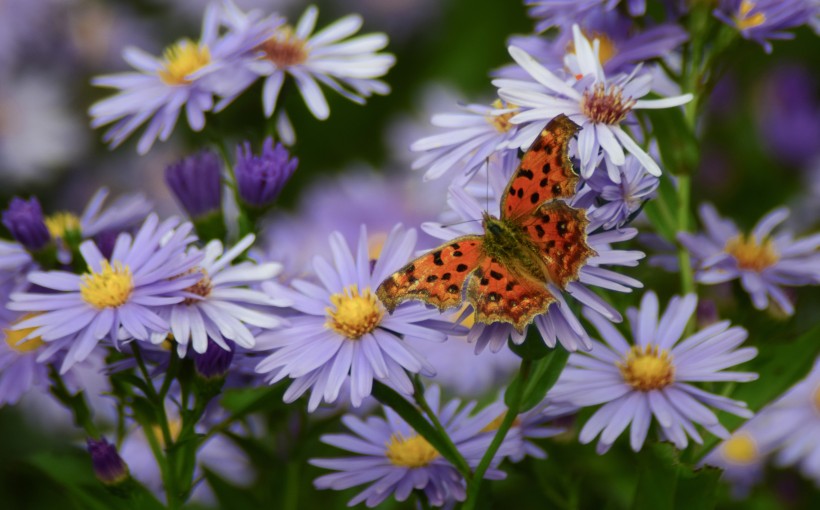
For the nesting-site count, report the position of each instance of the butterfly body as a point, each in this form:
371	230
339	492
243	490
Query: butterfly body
537	241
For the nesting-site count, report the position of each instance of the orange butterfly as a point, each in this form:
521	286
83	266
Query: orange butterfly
537	240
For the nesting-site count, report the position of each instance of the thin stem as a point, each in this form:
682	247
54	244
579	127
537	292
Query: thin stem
474	488
418	394
76	403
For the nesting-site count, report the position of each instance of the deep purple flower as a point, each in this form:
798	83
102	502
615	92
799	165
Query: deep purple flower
24	219
108	465
259	179
196	183
214	362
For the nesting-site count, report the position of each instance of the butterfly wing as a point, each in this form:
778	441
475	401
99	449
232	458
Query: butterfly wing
545	172
558	232
498	294
436	277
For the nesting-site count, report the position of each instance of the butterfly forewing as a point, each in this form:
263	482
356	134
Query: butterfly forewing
436	277
500	295
545	172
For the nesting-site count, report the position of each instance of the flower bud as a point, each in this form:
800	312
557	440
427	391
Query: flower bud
25	222
195	182
108	465
259	179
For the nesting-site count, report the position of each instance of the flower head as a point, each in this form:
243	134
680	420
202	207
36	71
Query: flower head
653	376
145	273
762	260
340	331
259	179
108	465
761	20
24	219
348	66
592	100
197	183
394	459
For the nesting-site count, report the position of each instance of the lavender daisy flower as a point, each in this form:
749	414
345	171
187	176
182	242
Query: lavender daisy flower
14	260
395	460
531	424
24	220
596	103
561	13
218	307
652	377
188	75
614	204
341	330
761	20
144	273
471	138
559	324
19	368
348	66
763	262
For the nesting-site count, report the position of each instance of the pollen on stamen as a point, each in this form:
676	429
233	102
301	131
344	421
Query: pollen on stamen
285	49
182	59
14	337
741	448
606	105
201	288
501	122
354	314
109	288
751	254
647	368
62	224
744	21
413	451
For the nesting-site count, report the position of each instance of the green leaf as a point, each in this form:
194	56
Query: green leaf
679	147
231	496
413	416
697	489
661	210
657	478
543	375
533	346
247	401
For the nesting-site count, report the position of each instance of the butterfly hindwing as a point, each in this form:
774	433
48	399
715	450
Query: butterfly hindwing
545	172
500	295
559	233
437	277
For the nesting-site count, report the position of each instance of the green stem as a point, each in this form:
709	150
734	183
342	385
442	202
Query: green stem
75	402
418	394
514	402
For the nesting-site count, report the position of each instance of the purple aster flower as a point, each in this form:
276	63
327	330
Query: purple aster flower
621	46
145	273
215	361
24	219
259	179
562	13
20	370
394	460
559	324
108	465
471	138
596	103
762	20
531	424
189	75
13	259
342	331
197	183
218	305
653	376
348	66
763	262
614	204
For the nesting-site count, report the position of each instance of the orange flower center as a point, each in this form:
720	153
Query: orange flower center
750	254
606	105
285	49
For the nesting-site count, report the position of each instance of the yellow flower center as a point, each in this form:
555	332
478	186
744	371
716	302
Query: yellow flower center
109	288
496	423
63	224
606	105
412	452
355	314
501	122
285	49
740	449
606	47
745	21
647	368
182	59
174	428
13	337
751	255
201	288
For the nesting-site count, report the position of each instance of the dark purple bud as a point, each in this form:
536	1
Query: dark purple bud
259	179
105	241
195	182
215	361
24	219
108	465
